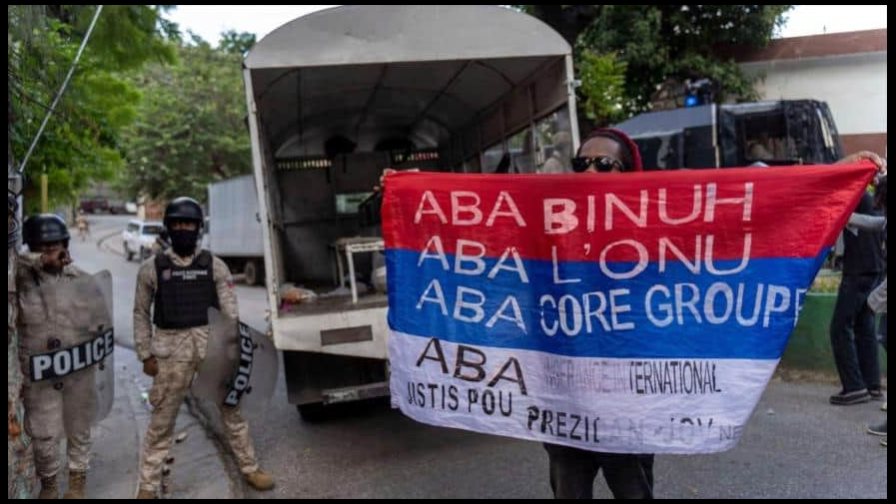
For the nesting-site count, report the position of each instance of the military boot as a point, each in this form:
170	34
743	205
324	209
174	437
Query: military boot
260	480
49	489
146	494
77	480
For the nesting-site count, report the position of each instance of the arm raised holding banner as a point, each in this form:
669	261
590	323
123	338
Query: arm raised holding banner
852	327
878	161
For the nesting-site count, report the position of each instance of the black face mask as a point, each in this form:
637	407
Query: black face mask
183	242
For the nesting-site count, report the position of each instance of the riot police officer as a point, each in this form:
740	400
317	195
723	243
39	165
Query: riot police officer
180	285
53	318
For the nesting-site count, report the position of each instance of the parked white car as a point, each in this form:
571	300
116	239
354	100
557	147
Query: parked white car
138	238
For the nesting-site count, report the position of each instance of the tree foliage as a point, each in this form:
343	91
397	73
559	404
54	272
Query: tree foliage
190	127
81	141
657	44
603	85
236	42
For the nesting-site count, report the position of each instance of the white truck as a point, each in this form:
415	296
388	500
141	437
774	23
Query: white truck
337	96
233	227
138	238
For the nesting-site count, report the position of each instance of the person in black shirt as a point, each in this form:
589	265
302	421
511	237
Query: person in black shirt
852	326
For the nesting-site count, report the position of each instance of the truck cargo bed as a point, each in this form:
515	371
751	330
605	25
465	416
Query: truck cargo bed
334	304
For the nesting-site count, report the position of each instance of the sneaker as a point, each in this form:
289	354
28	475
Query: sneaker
876	394
877	430
883	441
884	406
849	398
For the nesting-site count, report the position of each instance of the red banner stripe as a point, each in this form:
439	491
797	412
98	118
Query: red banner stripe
769	212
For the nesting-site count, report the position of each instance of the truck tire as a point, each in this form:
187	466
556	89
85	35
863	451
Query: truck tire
128	255
251	271
312	412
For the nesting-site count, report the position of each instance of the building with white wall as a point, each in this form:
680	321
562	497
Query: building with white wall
847	70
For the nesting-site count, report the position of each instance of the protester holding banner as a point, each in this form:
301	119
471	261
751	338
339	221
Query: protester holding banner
572	470
619	314
45	319
852	326
178	287
877	300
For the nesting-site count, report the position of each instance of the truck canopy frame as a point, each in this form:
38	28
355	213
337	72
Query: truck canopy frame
370	73
336	96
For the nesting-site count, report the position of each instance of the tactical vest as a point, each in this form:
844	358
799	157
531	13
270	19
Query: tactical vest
184	293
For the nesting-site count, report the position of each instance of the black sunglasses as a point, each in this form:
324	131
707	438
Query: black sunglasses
602	164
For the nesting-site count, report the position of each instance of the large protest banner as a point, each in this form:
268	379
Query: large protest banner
637	312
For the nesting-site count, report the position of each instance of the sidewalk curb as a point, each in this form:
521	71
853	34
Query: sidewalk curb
101	244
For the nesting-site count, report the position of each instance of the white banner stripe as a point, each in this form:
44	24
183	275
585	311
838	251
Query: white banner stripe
671	405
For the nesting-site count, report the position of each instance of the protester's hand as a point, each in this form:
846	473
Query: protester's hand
151	366
878	161
387	172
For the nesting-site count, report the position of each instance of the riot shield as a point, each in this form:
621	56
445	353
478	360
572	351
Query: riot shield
240	366
105	380
71	349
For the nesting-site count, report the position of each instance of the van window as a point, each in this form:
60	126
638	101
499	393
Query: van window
522	150
347	203
765	138
152	230
493	159
553	143
825	130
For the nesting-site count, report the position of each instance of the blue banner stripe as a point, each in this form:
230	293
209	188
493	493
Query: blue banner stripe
576	319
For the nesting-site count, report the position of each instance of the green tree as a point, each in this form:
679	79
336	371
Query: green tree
658	44
567	20
191	127
603	86
81	141
236	42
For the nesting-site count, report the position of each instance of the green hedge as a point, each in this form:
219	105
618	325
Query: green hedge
810	344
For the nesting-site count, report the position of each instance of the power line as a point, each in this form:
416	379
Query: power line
62	88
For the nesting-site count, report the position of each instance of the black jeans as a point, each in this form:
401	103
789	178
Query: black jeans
852	334
629	476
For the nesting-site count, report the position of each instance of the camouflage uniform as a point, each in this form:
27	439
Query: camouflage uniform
179	353
52	406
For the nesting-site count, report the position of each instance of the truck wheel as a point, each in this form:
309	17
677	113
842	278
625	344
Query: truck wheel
128	255
251	272
312	412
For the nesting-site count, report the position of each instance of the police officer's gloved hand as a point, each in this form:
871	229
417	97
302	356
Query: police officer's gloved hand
151	366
